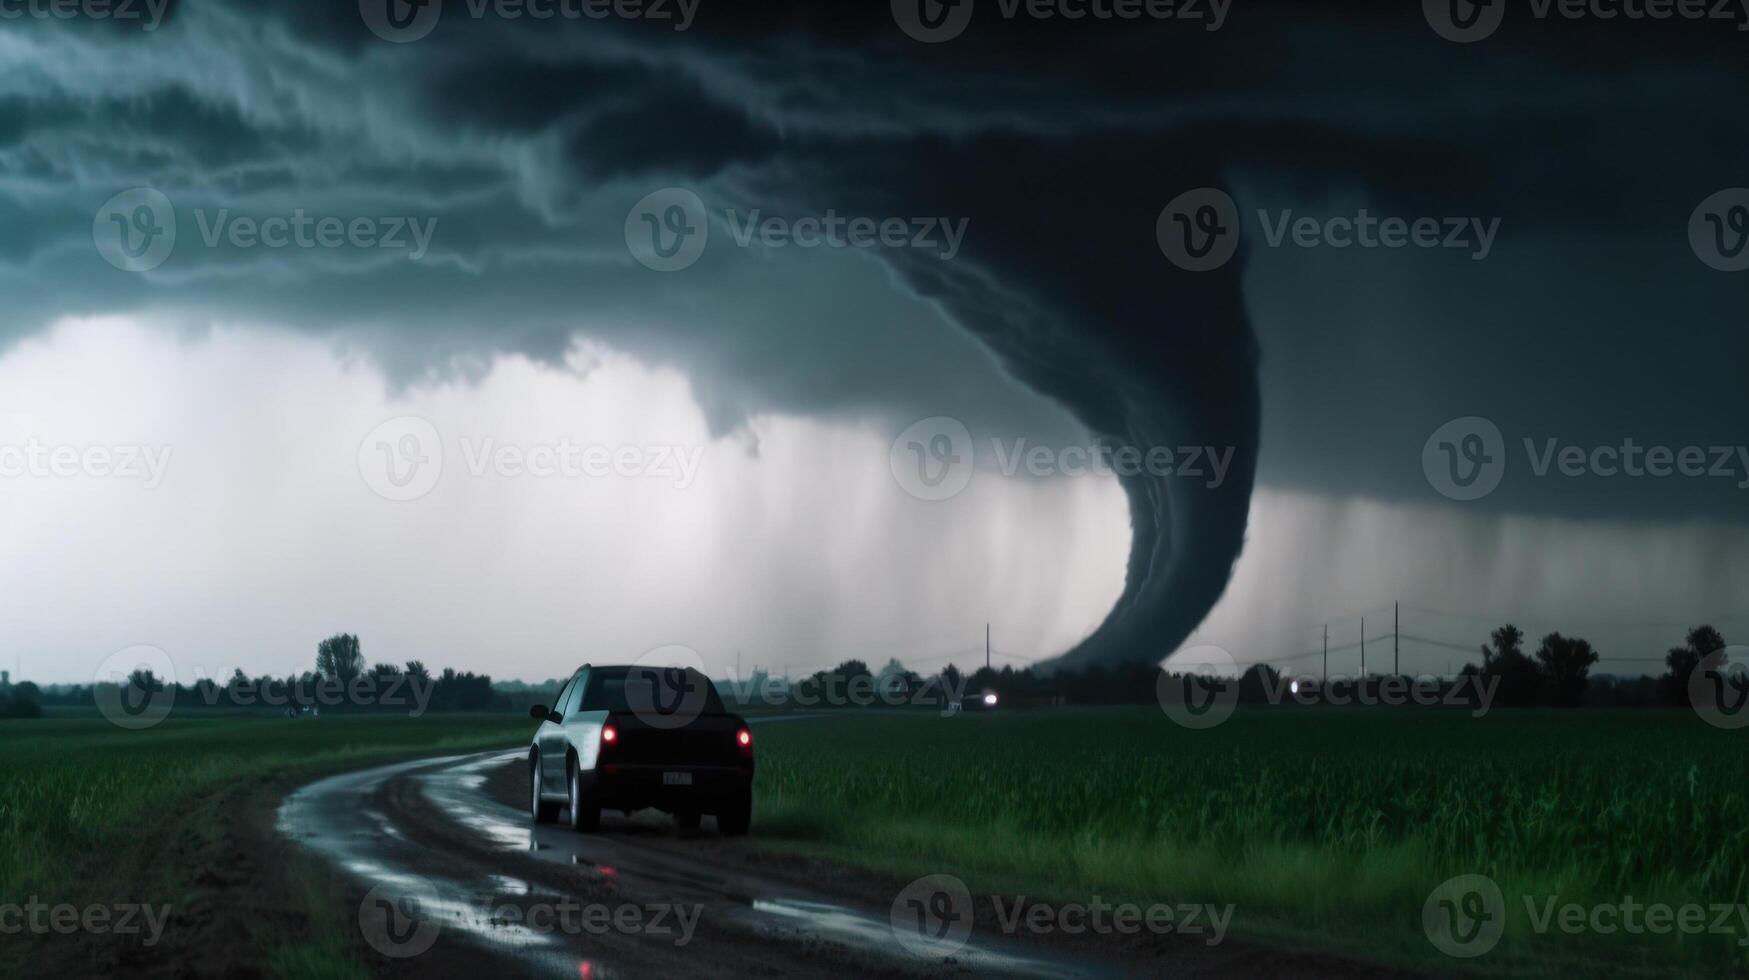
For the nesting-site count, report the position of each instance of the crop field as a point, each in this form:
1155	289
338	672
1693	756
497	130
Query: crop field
72	787
1327	828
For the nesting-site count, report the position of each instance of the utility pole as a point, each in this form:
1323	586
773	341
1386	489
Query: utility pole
986	646
1363	649
1326	654
1396	637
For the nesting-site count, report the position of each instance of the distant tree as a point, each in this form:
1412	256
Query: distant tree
339	657
26	691
1565	663
1682	660
1257	681
416	671
1519	680
951	677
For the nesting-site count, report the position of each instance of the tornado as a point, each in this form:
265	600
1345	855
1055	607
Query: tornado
1062	277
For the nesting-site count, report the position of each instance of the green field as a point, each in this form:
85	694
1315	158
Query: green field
92	813
1326	828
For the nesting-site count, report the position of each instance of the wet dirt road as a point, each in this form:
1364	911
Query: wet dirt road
456	873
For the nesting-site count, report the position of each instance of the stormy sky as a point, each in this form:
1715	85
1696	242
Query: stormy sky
510	160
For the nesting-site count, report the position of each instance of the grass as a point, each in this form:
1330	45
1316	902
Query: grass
86	809
1326	828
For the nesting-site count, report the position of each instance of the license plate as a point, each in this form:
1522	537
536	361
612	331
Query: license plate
677	779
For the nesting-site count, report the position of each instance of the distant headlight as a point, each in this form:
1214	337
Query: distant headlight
990	700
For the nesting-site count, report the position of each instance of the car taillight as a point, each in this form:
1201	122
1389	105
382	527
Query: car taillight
609	734
744	738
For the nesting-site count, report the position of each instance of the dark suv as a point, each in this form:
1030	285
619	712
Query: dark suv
626	738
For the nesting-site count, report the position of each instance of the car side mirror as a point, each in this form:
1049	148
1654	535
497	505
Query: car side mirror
541	712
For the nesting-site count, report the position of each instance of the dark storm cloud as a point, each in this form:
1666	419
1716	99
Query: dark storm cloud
1060	142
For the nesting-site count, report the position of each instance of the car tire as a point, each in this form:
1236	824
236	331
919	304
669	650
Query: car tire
585	812
539	809
735	815
687	819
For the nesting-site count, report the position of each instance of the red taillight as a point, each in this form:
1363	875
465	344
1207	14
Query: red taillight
744	738
609	734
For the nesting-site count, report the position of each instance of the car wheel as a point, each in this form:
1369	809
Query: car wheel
585	814
735	815
539	809
687	819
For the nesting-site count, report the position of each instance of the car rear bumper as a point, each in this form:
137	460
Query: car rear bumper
636	785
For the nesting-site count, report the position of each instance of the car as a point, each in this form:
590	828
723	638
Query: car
631	737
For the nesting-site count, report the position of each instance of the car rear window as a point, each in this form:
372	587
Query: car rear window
607	689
